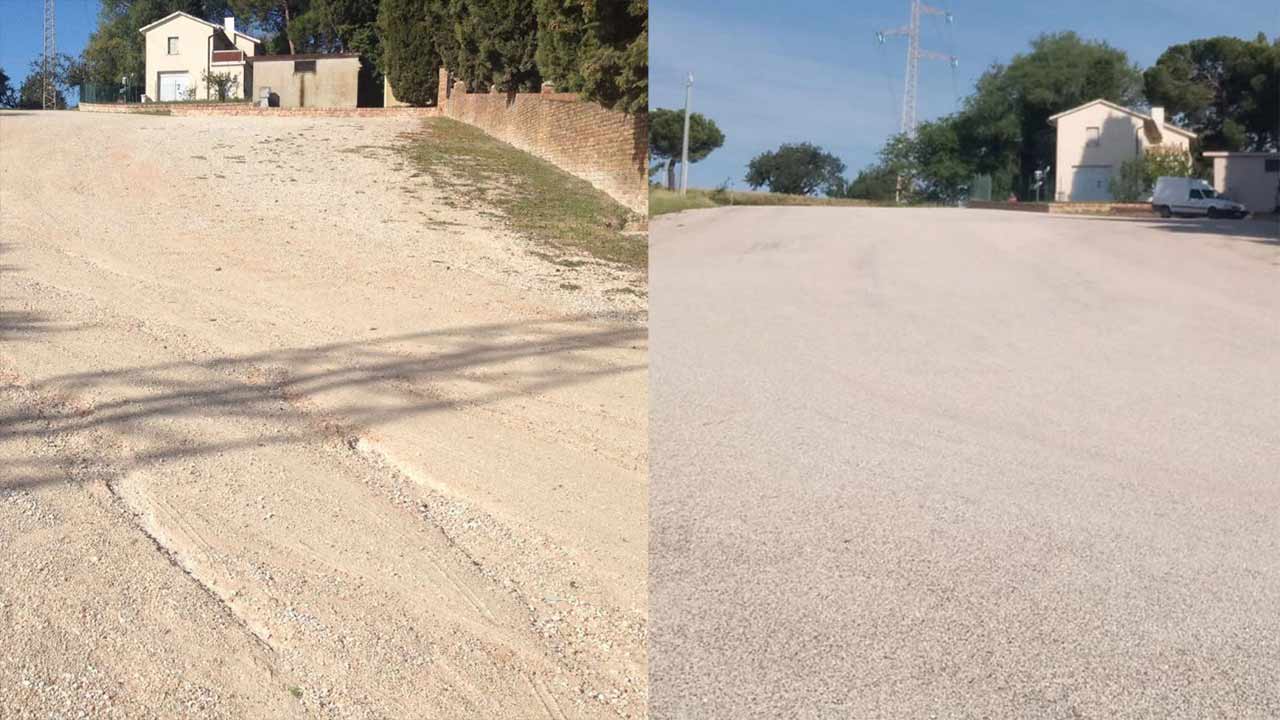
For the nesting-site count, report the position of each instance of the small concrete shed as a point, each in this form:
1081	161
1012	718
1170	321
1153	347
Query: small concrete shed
1252	178
320	81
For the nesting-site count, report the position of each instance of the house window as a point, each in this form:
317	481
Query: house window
173	46
304	66
1091	137
1272	165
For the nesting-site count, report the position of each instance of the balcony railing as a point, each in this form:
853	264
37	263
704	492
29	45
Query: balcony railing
228	56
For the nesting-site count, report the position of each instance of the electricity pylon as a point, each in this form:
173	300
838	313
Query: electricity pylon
49	62
911	31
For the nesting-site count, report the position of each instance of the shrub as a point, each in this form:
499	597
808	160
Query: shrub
1138	176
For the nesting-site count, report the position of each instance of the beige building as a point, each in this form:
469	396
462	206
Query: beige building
1097	137
181	49
307	80
1251	178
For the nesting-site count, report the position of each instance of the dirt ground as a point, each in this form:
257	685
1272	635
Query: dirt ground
945	463
282	434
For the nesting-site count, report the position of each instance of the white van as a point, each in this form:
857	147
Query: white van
1192	196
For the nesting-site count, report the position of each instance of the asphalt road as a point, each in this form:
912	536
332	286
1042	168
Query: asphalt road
963	464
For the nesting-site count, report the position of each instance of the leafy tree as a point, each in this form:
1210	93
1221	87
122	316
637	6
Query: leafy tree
1061	71
337	26
599	48
1137	176
878	183
410	57
666	139
223	84
796	169
1225	88
932	166
274	17
66	71
7	97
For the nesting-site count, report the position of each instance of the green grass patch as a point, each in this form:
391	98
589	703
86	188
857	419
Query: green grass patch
564	213
663	201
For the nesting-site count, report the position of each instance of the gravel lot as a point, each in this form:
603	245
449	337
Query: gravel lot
964	464
284	434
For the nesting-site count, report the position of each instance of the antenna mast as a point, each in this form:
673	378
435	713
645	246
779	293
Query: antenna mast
911	31
48	61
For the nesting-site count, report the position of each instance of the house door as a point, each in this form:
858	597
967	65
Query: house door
173	86
1091	183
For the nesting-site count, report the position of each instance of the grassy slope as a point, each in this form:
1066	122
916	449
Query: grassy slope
541	201
664	201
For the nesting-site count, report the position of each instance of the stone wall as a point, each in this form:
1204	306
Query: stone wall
606	148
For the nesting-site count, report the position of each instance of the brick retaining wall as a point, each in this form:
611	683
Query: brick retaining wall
245	108
1070	208
608	149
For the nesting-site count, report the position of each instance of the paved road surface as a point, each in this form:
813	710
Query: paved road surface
283	432
963	464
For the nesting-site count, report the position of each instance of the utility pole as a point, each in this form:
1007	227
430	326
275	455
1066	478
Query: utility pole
911	31
48	61
684	154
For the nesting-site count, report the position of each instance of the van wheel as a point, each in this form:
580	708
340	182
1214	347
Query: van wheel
1213	213
1165	212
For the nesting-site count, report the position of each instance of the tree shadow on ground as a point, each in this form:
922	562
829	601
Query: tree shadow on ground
1265	230
275	392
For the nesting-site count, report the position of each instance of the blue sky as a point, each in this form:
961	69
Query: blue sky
772	72
22	33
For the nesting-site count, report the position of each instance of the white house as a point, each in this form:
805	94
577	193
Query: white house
1094	139
1252	178
182	48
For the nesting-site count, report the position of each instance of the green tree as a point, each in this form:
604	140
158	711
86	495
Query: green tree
1061	71
273	17
666	139
878	183
337	26
410	58
492	44
7	96
1137	176
65	72
1224	88
796	169
223	85
599	48
932	166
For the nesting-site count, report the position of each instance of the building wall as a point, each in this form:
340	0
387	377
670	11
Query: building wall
335	83
606	148
1121	138
1243	177
193	53
243	75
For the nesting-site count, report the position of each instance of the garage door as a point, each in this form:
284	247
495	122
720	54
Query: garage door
1091	183
173	86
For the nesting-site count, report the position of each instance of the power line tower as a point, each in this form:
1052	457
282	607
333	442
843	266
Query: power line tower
911	31
49	61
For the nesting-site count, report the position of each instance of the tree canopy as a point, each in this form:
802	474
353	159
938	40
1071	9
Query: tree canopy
797	169
666	138
593	47
1225	89
7	96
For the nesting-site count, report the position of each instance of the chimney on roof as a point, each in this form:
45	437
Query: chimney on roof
1157	116
229	24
